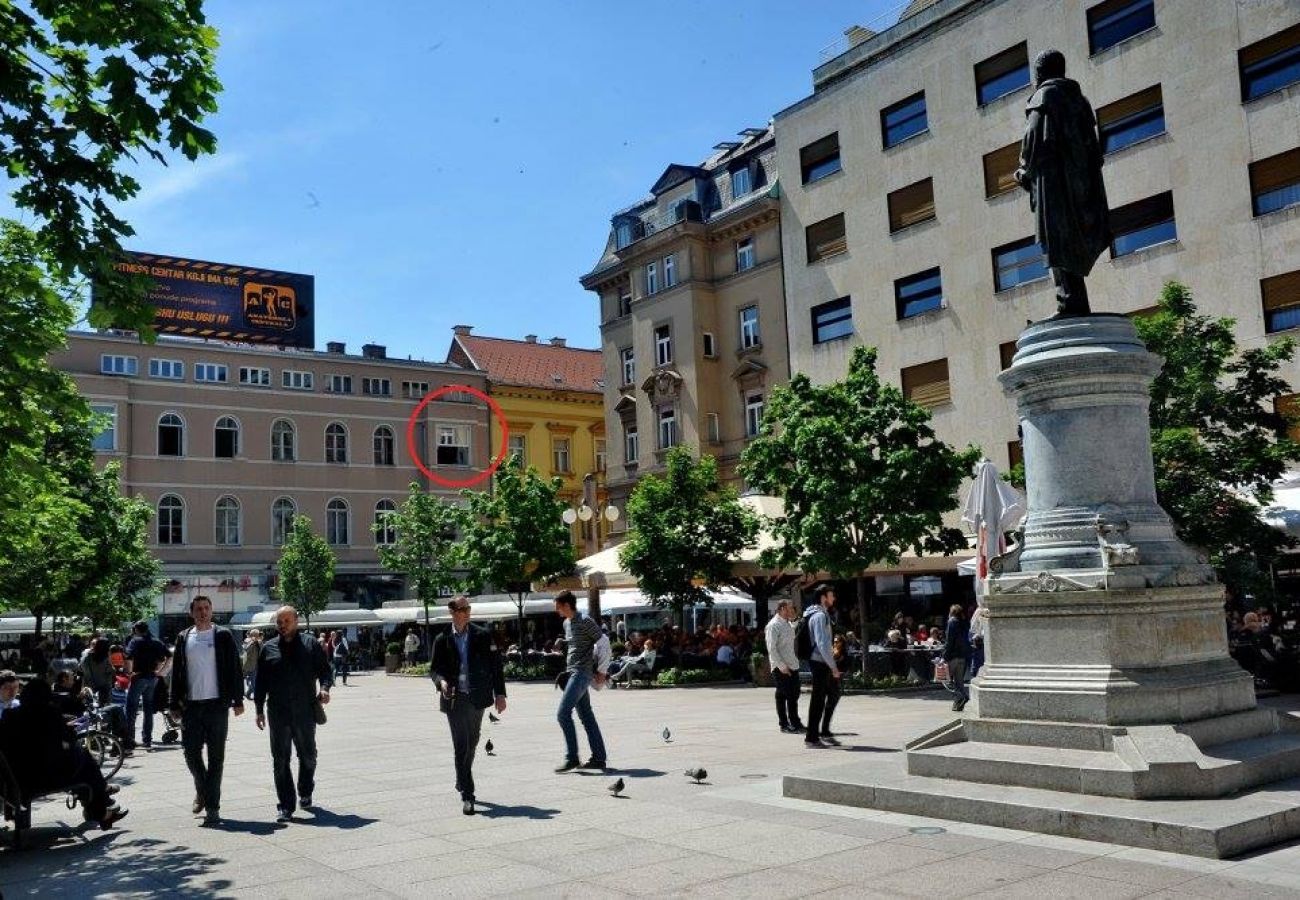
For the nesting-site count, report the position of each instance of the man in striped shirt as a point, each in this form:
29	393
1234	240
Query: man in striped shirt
580	636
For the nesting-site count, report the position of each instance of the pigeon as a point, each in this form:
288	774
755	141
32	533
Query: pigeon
668	735
698	774
493	719
617	787
488	748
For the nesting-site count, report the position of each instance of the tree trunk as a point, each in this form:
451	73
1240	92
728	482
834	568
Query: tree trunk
36	634
862	621
428	641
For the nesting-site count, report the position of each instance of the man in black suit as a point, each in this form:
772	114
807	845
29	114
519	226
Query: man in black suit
467	672
207	681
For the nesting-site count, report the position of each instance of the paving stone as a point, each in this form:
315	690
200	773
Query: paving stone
955	878
1062	886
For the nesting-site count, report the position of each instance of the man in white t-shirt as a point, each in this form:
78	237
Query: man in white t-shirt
411	647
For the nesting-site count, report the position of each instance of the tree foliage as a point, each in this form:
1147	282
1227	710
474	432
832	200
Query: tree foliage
863	476
306	569
685	530
1218	443
427	551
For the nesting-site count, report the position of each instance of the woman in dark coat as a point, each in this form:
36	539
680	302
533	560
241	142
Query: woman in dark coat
957	652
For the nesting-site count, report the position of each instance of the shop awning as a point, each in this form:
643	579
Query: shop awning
329	618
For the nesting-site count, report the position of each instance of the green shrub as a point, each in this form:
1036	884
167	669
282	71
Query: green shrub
393	649
692	676
519	671
421	669
857	682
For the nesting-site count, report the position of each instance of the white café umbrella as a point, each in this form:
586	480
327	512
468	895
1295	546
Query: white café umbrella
992	507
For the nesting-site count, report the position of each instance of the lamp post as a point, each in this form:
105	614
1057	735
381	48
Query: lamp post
591	510
855	535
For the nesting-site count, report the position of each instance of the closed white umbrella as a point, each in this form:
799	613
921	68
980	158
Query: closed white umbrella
992	507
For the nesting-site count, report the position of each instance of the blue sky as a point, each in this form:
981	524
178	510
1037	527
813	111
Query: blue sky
438	163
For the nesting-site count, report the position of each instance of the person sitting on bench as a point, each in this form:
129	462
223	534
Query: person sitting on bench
642	664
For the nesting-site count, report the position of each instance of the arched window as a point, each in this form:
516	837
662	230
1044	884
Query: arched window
171	435
171	520
336	522
336	443
282	441
385	530
383	446
226	438
227	531
282	512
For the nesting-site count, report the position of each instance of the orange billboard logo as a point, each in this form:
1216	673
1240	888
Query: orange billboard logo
270	306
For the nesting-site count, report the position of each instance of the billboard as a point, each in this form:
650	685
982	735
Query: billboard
194	298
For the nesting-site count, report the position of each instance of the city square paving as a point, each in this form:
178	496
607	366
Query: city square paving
388	822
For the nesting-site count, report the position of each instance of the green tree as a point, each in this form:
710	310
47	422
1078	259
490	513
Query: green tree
306	570
426	550
514	536
1218	443
128	576
862	474
685	531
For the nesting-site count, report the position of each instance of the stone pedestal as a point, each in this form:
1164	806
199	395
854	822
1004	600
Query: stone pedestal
1107	671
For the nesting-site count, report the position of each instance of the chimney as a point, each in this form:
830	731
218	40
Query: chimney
530	339
374	351
462	330
857	34
336	347
558	342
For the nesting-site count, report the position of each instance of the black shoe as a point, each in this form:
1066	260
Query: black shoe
305	802
198	804
827	739
790	729
599	764
213	817
115	815
960	705
813	744
568	766
798	726
467	807
282	814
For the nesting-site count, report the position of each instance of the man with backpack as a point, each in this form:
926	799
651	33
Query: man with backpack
340	650
813	643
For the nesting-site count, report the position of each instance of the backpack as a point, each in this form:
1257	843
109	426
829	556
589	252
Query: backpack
803	645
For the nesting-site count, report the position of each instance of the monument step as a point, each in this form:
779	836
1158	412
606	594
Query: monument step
1052	768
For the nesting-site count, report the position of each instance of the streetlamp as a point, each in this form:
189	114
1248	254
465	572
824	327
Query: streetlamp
585	513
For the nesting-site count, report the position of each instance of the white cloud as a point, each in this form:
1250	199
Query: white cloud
183	177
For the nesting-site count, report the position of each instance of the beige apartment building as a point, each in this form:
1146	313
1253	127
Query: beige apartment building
693	330
903	229
228	442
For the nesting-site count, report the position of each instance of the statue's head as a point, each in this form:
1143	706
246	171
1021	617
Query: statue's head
1049	64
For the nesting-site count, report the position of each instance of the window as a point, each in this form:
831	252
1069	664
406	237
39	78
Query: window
663	345
225	438
1281	295
917	294
927	384
1017	263
1015	454
820	158
1270	64
518	446
1288	406
600	453
999	170
670	271
1115	21
385	531
383	446
336	522
667	428
377	387
832	320
625	232
714	427
560	455
741	182
1006	353
106	438
282	512
753	414
210	372
416	390
1275	182
227	530
110	364
631	445
825	238
167	368
1003	74
171	435
749	336
1132	119
336	443
903	120
1142	224
298	381
652	278
628	360
910	205
710	345
338	384
255	377
171	520
453	445
282	441
625	300
745	254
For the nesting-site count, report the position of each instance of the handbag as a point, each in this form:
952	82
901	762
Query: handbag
941	673
318	709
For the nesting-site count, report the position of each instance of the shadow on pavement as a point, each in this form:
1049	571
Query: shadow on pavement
324	818
867	748
497	811
69	862
630	773
247	826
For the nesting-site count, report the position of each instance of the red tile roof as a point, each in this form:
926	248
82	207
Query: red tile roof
535	364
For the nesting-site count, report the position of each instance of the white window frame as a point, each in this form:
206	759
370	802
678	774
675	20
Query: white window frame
219	372
280	535
745	256
600	452
624	300
627	356
377	387
670	270
338	384
118	364
279	455
415	390
663	345
710	345
170	369
631	445
651	278
517	444
158	435
455	432
386	536
221	531
238	429
753	414
157	508
562	454
332	523
667	419
747	182
380	458
336	453
110	410
254	376
298	380
750	335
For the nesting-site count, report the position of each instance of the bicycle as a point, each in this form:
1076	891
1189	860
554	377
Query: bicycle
95	736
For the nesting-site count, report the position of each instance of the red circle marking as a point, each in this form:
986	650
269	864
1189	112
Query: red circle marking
415	453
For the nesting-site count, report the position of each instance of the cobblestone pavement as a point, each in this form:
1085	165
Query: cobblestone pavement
389	823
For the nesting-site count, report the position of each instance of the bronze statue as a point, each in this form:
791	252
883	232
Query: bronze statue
1060	167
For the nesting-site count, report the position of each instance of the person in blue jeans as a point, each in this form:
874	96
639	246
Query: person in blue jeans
580	636
144	654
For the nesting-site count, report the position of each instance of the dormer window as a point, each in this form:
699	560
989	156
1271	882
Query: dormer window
627	229
741	182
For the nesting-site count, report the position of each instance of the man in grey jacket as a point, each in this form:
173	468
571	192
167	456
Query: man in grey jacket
580	637
784	663
822	663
